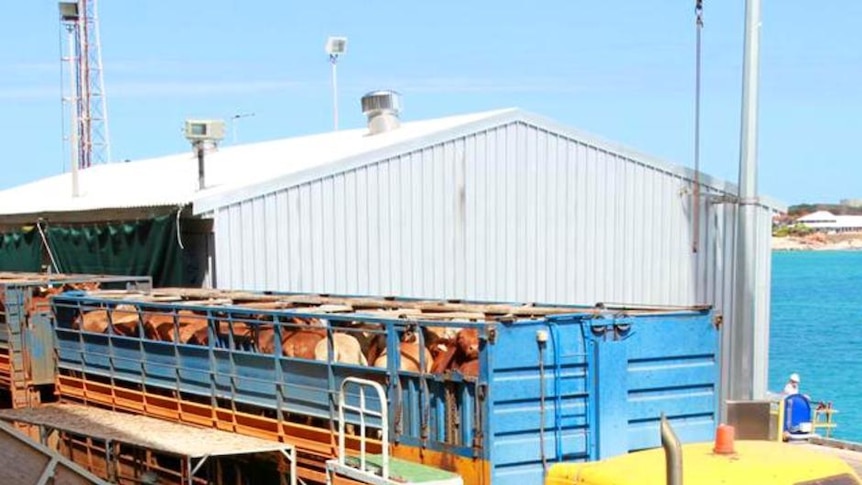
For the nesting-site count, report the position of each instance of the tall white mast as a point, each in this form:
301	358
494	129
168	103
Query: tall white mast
749	351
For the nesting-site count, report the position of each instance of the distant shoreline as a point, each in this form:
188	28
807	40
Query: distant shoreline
819	242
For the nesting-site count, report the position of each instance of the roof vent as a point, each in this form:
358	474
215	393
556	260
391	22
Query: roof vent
382	109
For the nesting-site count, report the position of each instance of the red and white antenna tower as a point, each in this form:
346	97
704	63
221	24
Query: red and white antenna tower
88	105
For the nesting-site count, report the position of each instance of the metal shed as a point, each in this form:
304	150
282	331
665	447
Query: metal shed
506	206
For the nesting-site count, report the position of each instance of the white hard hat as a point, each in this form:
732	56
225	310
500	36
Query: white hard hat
794	377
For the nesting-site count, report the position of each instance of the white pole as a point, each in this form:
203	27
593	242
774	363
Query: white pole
333	60
73	105
233	122
749	342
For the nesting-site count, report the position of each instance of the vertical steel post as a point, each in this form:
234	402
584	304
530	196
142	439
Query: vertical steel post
749	339
73	108
199	151
333	61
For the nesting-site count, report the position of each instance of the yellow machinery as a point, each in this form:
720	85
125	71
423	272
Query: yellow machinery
723	462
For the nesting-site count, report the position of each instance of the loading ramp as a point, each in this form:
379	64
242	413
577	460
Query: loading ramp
192	444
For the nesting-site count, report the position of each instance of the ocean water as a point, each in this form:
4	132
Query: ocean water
816	330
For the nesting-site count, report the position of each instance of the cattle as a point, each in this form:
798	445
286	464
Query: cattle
439	339
123	319
296	341
265	338
410	355
185	327
468	343
371	338
301	343
345	349
243	334
469	368
40	296
463	357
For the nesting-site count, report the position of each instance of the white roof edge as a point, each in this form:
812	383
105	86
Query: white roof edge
494	119
816	214
215	201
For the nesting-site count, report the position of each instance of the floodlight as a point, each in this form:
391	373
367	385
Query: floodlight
69	11
204	130
336	46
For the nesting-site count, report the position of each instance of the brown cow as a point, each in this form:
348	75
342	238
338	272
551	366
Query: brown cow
38	300
301	343
468	343
410	356
243	333
462	357
187	328
297	341
123	318
440	339
345	349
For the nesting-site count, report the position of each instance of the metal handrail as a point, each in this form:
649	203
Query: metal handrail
363	411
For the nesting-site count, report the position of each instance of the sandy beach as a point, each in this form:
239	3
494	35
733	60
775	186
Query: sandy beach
818	242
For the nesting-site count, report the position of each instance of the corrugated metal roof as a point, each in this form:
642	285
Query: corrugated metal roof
235	173
464	126
173	180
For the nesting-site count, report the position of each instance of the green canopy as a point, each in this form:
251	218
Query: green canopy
141	248
21	251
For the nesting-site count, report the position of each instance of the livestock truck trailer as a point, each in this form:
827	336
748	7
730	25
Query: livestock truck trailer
493	393
26	337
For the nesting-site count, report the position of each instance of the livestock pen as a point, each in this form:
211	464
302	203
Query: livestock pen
26	338
492	391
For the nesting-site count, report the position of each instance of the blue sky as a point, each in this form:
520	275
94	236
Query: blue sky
621	70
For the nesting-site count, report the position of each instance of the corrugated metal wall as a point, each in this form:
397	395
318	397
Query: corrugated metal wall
511	213
515	213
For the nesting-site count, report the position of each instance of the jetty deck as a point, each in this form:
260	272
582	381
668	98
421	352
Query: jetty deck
848	451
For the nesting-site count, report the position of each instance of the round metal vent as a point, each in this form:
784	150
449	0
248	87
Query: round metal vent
378	101
382	109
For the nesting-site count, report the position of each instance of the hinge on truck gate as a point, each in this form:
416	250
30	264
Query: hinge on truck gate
611	329
622	328
478	420
492	335
717	320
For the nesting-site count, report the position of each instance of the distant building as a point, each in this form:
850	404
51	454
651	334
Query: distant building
825	221
855	203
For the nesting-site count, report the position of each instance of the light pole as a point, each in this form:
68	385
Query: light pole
335	46
70	16
233	120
